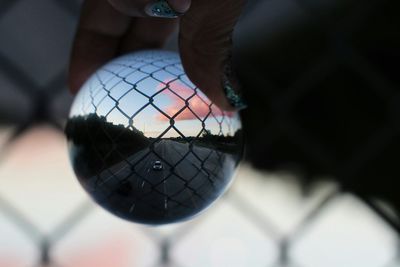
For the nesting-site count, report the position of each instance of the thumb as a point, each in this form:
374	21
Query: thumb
205	42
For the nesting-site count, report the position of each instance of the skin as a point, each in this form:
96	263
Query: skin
108	28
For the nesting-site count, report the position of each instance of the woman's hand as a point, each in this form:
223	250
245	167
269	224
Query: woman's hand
108	28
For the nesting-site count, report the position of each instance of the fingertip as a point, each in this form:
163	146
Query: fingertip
181	6
222	102
72	84
75	81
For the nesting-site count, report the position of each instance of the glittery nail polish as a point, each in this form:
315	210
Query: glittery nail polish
233	97
231	85
161	9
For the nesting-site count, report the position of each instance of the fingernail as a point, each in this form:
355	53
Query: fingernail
161	9
233	97
231	86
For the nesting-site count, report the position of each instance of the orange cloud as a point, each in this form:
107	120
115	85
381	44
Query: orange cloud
199	105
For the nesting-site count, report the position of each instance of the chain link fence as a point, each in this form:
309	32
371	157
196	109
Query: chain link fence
34	48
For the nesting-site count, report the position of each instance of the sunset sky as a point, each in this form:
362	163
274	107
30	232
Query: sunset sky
150	120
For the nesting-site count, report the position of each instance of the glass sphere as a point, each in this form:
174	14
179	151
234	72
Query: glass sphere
149	146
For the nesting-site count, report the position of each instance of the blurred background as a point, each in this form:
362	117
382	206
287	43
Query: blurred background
317	189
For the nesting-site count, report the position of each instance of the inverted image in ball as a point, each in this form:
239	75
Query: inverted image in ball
149	146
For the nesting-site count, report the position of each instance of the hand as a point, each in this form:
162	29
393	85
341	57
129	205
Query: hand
108	28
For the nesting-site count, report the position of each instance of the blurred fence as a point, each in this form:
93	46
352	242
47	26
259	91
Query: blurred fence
34	48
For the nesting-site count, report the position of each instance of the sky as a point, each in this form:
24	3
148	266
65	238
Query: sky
150	120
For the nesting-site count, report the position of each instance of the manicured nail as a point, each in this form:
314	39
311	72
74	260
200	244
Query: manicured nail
161	9
233	97
231	85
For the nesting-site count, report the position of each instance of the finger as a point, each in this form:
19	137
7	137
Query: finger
152	8
181	6
98	37
147	33
205	46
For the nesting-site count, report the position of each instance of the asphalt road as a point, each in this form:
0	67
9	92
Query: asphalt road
189	179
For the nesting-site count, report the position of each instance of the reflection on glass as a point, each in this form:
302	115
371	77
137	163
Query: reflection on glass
147	145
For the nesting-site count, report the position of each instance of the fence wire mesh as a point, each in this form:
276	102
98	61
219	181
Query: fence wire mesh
190	172
42	89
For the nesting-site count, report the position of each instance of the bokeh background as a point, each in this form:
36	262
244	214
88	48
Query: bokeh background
322	85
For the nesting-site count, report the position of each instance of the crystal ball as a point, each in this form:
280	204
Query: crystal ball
146	144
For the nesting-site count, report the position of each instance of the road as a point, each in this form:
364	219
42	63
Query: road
189	180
